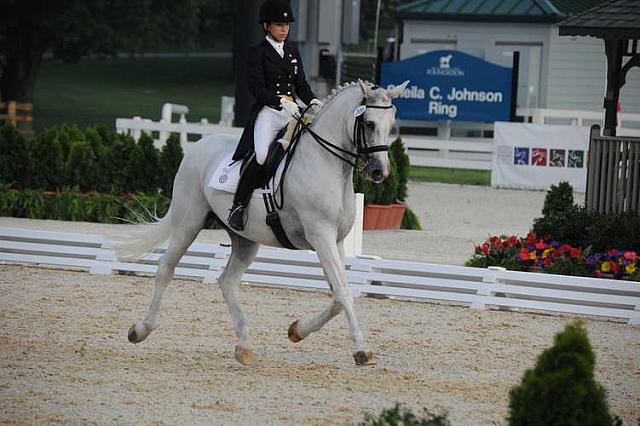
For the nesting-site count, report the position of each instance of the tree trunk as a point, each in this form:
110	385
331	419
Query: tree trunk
23	49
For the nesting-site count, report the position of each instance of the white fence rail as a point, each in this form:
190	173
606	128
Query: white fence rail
478	288
441	151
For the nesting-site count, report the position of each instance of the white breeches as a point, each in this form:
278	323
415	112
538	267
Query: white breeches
267	126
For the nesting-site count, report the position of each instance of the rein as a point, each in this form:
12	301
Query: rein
363	150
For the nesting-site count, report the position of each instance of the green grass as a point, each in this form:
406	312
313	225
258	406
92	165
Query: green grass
457	176
99	91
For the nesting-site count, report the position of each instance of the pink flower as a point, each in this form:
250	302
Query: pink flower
630	255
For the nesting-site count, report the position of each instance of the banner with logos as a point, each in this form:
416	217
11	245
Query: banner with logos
535	156
449	85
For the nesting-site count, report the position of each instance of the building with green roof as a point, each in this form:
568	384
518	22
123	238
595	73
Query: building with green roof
555	72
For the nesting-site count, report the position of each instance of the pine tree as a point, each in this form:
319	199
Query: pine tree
46	154
561	389
144	165
15	161
170	158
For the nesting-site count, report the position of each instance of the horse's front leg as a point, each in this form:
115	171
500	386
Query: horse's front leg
243	252
333	265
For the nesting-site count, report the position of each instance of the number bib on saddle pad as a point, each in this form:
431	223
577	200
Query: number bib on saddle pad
227	175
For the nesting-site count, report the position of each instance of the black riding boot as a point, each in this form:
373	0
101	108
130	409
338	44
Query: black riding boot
248	179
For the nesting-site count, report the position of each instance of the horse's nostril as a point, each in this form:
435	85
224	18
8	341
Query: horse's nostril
376	175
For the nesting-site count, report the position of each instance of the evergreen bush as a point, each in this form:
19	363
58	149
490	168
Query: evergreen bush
558	200
15	160
170	158
403	416
144	165
403	166
80	166
410	220
48	163
561	389
118	159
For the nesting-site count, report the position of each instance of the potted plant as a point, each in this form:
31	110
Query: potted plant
383	202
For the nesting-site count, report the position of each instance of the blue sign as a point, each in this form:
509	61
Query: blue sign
450	85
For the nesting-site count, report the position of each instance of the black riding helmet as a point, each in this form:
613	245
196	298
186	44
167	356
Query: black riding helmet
275	11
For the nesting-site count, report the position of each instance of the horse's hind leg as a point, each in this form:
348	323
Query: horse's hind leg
243	252
187	219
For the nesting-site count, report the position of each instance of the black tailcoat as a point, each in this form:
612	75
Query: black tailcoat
269	75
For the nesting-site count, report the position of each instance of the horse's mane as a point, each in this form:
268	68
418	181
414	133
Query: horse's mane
339	91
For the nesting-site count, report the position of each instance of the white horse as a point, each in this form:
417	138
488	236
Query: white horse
317	214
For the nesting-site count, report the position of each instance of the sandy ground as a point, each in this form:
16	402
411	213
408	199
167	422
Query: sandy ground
64	356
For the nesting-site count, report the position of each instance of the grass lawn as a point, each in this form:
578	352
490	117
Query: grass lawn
99	91
457	176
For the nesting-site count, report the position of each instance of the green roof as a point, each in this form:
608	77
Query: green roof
495	10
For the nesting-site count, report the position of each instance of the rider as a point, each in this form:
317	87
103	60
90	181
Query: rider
276	78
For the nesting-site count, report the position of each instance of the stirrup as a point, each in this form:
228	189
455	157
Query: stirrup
236	218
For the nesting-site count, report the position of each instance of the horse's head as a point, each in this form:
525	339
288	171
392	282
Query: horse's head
376	124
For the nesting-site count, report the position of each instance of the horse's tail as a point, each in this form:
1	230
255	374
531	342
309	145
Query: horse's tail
150	236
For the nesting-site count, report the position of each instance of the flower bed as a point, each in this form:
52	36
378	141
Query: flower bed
533	253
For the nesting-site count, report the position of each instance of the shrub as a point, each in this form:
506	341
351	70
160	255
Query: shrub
498	251
144	165
401	160
80	166
170	158
402	416
558	200
561	389
46	154
119	159
410	220
394	188
15	160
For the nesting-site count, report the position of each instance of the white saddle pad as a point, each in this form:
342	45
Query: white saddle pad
227	175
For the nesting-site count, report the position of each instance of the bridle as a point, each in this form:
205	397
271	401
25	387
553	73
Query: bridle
363	150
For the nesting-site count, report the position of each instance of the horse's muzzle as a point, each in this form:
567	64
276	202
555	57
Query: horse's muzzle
374	170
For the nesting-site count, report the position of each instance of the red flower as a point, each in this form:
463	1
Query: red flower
598	273
485	249
612	252
565	248
613	266
478	250
630	255
556	253
547	261
531	238
524	254
574	252
541	245
513	241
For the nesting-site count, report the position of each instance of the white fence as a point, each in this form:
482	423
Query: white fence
477	288
444	150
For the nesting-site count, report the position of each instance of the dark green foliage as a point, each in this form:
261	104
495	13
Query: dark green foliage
403	416
170	158
119	161
401	160
583	228
561	389
410	220
48	164
73	205
558	200
144	165
80	165
15	161
67	135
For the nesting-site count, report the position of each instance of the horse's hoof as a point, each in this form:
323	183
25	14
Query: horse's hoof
244	355
133	336
293	333
364	358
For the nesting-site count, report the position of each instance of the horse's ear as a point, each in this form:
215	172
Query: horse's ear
397	91
366	90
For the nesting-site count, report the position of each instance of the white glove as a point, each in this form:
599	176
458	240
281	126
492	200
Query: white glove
316	103
290	107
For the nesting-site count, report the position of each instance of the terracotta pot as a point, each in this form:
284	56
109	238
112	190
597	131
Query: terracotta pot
371	214
398	213
379	216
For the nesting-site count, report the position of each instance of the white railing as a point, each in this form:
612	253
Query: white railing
444	150
367	275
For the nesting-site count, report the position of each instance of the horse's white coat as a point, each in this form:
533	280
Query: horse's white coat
318	212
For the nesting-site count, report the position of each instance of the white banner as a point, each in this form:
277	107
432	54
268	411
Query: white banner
535	156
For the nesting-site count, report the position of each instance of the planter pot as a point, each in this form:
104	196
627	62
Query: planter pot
378	216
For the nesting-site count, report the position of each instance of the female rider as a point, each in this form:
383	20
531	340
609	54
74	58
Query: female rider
276	79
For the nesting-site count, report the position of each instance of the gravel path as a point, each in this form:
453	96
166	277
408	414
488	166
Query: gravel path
64	357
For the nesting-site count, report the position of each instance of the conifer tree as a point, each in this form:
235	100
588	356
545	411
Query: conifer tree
170	158
561	389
